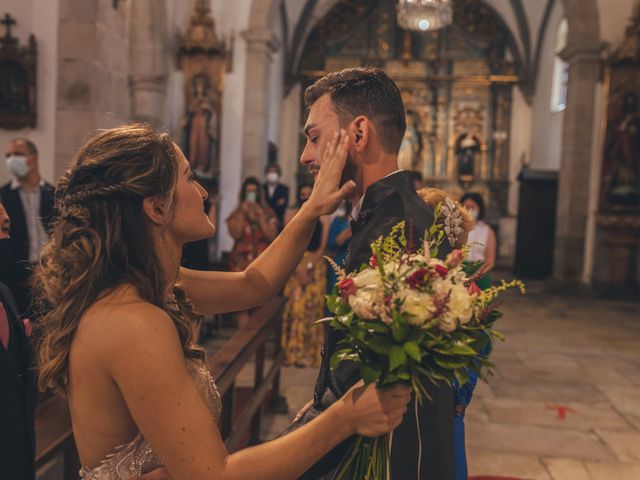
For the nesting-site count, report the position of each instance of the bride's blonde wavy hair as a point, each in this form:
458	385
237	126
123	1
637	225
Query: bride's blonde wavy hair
100	241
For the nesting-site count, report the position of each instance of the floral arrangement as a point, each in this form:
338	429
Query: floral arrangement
411	317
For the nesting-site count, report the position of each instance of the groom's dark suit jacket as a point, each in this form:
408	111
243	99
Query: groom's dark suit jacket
421	446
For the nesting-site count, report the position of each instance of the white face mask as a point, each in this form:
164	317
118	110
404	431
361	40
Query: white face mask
251	197
17	165
474	214
273	177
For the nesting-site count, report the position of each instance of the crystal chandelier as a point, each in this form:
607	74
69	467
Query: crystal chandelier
424	14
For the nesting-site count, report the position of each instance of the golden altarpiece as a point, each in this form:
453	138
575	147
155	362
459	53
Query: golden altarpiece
456	84
617	259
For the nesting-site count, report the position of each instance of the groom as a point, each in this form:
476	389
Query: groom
367	104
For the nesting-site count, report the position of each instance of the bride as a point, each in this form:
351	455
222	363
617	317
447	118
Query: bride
119	311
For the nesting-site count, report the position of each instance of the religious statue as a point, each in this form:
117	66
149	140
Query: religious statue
200	138
622	147
467	147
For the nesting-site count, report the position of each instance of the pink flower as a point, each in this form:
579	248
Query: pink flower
442	271
373	261
418	278
347	287
474	289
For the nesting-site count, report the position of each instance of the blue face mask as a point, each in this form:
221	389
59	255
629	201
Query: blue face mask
17	165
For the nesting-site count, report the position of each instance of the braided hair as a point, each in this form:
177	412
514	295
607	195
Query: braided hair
99	241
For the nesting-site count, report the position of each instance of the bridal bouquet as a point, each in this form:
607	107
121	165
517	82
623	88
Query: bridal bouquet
410	317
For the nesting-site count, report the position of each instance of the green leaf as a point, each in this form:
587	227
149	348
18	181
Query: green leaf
338	357
375	326
368	374
413	350
462	349
380	345
337	305
448	364
399	331
397	357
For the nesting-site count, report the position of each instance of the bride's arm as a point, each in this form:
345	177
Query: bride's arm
168	410
218	292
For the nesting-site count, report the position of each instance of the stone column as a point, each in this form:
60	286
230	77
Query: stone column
261	44
93	68
148	60
585	68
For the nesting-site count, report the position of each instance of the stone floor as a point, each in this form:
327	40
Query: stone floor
564	400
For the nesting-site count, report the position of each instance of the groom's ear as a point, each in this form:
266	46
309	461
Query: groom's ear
361	132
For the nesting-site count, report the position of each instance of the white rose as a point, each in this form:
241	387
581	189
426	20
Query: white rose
368	277
363	302
418	306
460	309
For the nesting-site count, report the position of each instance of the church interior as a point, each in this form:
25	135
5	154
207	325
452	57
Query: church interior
532	104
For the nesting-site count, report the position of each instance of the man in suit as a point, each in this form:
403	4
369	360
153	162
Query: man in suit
276	193
368	106
29	201
17	382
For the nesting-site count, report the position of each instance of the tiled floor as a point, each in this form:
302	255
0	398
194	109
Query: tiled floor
564	402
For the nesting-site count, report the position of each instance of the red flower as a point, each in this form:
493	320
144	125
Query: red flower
418	278
347	287
373	261
442	271
474	289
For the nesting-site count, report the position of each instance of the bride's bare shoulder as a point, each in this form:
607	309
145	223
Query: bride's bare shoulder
122	321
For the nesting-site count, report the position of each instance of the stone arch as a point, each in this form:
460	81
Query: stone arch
583	54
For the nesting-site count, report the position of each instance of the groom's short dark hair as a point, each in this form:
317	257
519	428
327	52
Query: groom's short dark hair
364	91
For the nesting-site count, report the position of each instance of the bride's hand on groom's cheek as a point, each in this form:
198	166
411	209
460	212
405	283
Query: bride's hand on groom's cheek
327	192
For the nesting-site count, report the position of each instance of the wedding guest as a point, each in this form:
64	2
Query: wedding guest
339	240
276	194
29	202
482	239
253	226
17	378
301	340
117	337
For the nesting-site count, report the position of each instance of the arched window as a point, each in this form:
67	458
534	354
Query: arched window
560	69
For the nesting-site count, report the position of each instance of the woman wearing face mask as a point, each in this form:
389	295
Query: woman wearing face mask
482	239
305	291
253	226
